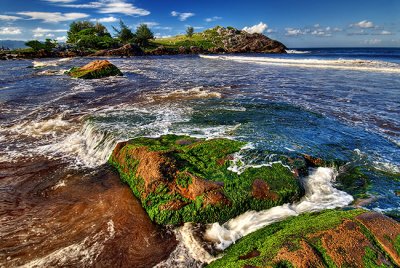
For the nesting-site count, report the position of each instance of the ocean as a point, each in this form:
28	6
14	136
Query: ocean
60	198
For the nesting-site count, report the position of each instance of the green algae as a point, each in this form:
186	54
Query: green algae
111	70
207	159
269	240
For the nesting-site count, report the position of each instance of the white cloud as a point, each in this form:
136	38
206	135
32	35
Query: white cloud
61	39
373	41
60	1
112	7
363	24
317	25
10	30
271	31
258	28
7	17
213	19
41	30
120	6
149	23
321	33
293	32
167	28
182	16
384	32
159	35
107	19
54	16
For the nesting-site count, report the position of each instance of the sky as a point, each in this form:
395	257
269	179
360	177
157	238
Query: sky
308	23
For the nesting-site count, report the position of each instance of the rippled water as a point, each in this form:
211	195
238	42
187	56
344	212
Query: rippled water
58	198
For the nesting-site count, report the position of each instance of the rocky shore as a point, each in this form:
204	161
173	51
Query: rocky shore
213	41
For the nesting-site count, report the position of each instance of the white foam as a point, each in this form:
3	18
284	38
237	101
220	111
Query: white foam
341	64
320	195
293	51
192	93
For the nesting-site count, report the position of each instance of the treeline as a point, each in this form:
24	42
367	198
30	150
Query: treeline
86	35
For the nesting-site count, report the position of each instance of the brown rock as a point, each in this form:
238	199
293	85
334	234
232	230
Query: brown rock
385	231
126	50
346	244
252	254
313	161
303	257
198	187
173	205
261	190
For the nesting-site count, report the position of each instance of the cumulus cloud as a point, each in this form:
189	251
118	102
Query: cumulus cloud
53	16
363	24
213	19
10	31
182	15
258	28
9	18
107	19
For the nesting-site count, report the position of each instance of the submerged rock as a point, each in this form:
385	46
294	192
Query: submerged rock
183	179
95	69
333	238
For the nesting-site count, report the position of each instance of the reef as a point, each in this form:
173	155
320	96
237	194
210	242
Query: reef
333	238
95	69
183	179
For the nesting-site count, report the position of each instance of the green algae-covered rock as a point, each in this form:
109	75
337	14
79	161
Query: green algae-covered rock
333	238
95	69
183	179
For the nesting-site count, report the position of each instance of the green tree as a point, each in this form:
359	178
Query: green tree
189	31
35	45
143	35
124	33
88	35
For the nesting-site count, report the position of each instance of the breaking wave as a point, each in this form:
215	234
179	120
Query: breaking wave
340	64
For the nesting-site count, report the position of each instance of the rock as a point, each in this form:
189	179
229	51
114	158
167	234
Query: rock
95	69
334	238
127	50
162	50
195	50
397	192
261	190
183	179
182	50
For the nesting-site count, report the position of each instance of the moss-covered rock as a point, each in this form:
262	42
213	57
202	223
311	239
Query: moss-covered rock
95	69
180	179
334	238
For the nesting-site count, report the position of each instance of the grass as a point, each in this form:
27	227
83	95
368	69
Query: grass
206	159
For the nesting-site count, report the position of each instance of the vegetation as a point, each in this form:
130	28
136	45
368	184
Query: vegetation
189	31
269	240
87	35
124	33
47	45
206	159
143	35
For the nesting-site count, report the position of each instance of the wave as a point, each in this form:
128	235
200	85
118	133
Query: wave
49	63
340	64
292	51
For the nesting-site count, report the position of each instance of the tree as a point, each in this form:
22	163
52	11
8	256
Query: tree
143	35
36	45
124	33
88	35
189	31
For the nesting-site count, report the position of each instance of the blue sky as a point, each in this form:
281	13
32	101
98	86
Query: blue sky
309	23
